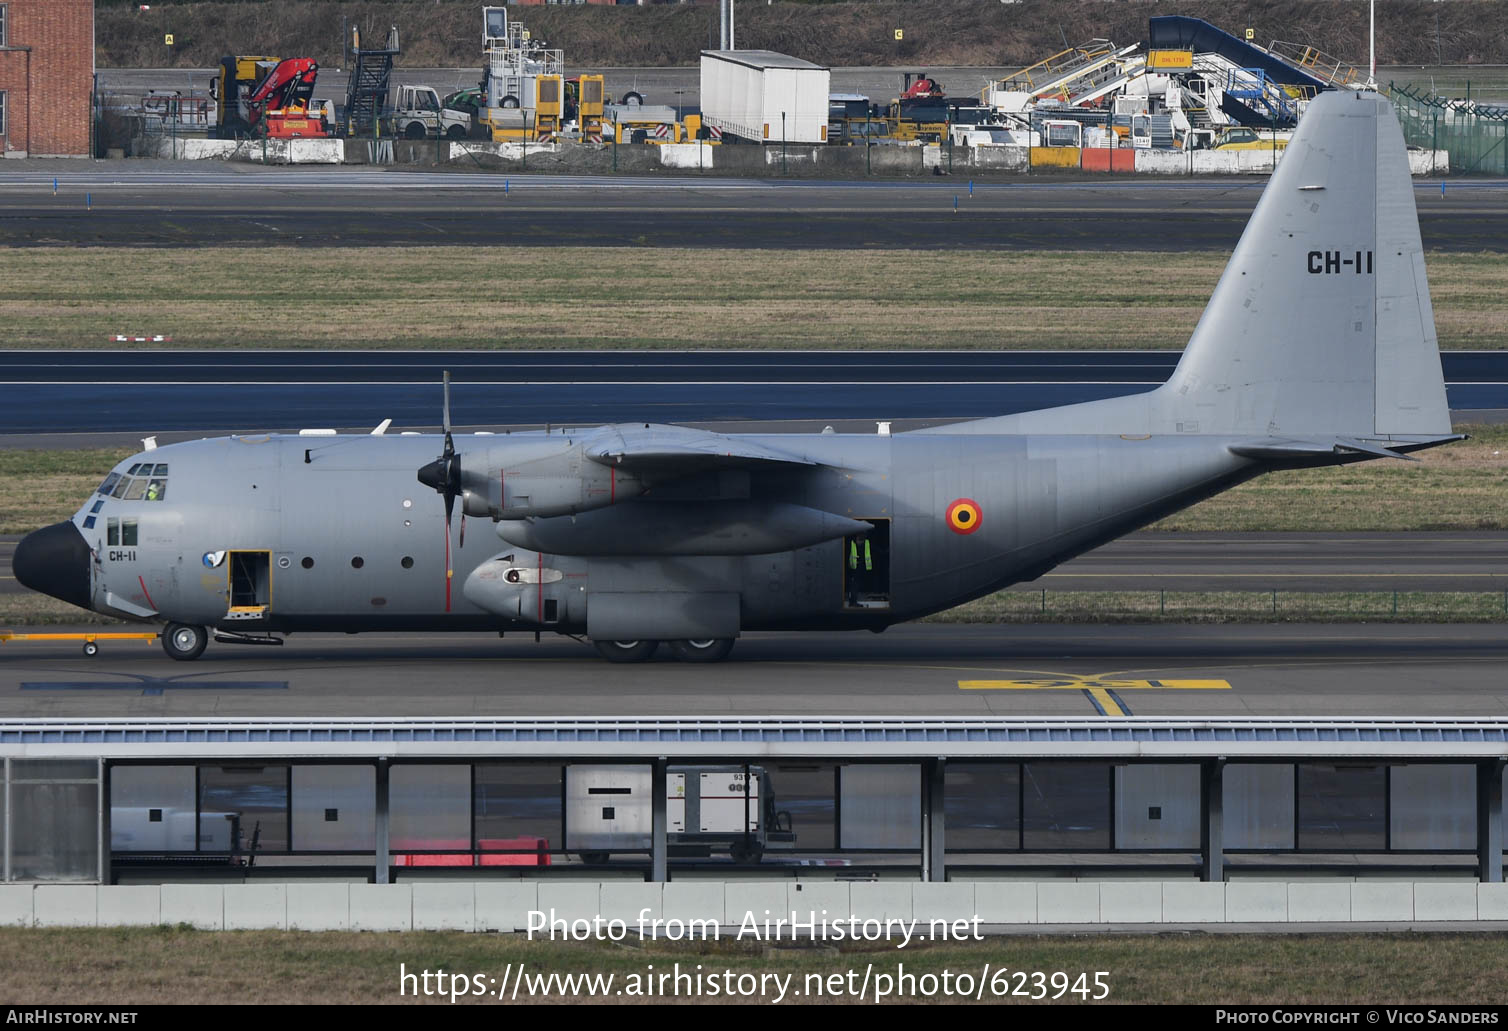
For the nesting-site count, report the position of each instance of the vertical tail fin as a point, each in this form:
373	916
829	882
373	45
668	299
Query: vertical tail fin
1321	323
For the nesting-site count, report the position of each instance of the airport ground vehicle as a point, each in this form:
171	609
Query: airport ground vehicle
415	112
1242	138
266	96
764	97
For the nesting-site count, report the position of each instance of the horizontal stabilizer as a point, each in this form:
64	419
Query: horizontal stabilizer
1338	447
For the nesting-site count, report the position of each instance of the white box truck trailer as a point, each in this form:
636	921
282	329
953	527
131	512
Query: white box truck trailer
764	97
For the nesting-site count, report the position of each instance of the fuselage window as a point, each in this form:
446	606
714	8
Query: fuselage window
307	563
112	532
408	562
128	533
357	562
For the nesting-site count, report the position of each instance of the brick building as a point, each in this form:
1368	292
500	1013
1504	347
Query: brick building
46	77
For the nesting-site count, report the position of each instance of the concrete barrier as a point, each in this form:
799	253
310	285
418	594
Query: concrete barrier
1162	162
66	905
199	905
1443	900
382	907
1193	902
1131	902
687	155
505	905
742	899
129	905
444	906
1264	902
1382	901
256	907
1068	902
319	907
16	905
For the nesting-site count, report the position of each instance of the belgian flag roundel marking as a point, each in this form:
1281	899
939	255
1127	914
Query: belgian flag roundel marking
963	516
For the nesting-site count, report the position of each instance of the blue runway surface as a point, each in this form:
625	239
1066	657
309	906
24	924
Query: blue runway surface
166	391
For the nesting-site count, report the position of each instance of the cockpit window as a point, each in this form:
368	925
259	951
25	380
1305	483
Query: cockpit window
109	484
156	489
120	487
137	488
161	469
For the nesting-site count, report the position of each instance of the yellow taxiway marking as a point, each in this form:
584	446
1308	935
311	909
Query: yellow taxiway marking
1072	683
1100	689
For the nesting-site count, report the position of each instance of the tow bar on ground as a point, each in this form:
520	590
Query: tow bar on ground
91	645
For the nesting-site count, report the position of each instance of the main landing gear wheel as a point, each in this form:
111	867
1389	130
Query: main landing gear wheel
626	651
712	649
184	642
91	648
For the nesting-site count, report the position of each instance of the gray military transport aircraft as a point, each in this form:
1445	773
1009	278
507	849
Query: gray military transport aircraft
1317	348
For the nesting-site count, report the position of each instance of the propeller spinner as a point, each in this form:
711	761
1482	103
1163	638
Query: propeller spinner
444	475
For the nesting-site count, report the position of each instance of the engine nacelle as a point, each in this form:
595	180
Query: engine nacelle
542	479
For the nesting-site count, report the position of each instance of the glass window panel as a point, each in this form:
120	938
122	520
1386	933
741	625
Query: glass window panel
519	805
1067	805
109	484
152	809
157	490
54	769
1157	806
160	469
89	522
1258	811
982	806
808	793
137	488
881	806
128	533
607	808
135	468
335	808
1341	807
121	486
1433	807
55	832
243	808
429	807
112	532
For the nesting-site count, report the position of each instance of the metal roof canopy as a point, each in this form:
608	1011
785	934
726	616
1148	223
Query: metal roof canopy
771	737
764	59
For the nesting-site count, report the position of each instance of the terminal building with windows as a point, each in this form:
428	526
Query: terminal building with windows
46	77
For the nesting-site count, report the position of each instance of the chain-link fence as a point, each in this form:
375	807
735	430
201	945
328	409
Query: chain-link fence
1475	134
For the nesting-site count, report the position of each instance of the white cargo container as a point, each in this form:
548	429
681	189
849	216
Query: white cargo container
764	97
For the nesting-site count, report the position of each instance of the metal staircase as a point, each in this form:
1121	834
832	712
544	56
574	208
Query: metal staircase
366	90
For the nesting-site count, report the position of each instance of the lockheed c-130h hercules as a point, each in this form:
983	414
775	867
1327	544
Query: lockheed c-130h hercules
1317	348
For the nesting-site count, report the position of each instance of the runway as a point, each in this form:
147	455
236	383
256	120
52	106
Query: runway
137	203
178	392
913	670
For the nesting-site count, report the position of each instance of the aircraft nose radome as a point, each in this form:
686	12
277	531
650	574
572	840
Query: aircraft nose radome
55	561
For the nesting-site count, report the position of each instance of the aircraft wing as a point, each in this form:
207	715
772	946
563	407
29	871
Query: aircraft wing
660	452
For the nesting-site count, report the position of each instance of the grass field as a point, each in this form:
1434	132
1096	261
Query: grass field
169	965
414	297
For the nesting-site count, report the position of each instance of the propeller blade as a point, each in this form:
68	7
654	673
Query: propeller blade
445	412
463	528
